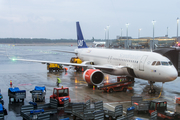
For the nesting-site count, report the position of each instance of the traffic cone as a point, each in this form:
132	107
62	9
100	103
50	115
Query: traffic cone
10	82
93	87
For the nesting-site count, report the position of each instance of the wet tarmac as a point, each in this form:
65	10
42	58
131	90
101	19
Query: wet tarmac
27	75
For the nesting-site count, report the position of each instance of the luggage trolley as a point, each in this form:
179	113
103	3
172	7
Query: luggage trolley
38	94
17	94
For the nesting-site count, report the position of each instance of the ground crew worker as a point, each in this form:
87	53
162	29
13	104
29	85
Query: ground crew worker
65	68
58	81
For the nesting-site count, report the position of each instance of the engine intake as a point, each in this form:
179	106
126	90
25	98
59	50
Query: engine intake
93	76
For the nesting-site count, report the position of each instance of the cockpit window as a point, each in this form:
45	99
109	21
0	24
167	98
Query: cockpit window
164	63
170	63
154	63
158	63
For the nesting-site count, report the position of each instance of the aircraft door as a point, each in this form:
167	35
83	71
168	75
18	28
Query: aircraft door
142	61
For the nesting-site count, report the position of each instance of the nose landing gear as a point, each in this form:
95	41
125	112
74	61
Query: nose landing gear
151	90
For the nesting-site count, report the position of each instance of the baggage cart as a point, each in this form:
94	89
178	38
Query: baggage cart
68	106
38	94
153	116
16	94
142	106
1	99
87	113
3	112
129	114
116	113
39	112
136	99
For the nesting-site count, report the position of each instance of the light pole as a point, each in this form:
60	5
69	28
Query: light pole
167	31
121	35
127	30
139	30
105	33
177	29
107	27
153	34
127	45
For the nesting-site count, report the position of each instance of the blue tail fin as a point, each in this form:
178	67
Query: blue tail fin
80	40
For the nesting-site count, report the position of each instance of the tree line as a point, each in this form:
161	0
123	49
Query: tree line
37	40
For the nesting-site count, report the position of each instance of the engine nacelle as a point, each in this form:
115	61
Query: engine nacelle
93	76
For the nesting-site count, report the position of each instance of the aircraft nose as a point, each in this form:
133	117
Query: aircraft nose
172	74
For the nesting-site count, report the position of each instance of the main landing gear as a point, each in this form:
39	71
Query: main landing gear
151	90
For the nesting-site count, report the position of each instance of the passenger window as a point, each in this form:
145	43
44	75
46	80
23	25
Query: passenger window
154	63
158	63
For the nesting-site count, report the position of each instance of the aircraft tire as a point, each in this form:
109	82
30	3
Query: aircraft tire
153	91
125	89
111	90
150	91
90	86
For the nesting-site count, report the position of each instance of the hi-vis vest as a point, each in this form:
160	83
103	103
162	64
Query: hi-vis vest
59	80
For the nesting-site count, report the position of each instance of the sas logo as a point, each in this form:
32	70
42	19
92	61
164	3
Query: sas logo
153	70
88	51
80	42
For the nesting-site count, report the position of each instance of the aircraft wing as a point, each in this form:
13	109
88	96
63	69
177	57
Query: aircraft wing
83	64
44	62
109	67
65	51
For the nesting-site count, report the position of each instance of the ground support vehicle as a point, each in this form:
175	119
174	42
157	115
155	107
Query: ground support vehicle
118	86
162	113
60	94
129	114
68	106
159	106
38	94
54	67
78	61
96	113
16	94
178	100
118	111
39	112
3	112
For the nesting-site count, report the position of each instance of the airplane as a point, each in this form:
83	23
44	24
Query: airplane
98	43
145	65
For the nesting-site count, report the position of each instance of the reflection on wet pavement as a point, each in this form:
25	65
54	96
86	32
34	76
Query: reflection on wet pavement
27	75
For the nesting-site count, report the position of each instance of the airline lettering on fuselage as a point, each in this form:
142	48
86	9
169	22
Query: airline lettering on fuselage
80	42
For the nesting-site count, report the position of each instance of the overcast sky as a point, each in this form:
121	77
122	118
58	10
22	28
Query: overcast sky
56	19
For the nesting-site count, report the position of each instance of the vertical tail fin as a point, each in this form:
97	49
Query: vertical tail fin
80	40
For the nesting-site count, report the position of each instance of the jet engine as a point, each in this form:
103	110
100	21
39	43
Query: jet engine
93	76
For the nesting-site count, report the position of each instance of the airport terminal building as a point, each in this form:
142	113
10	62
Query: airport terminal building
142	42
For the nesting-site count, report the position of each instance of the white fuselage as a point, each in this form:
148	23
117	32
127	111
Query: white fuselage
99	43
138	61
